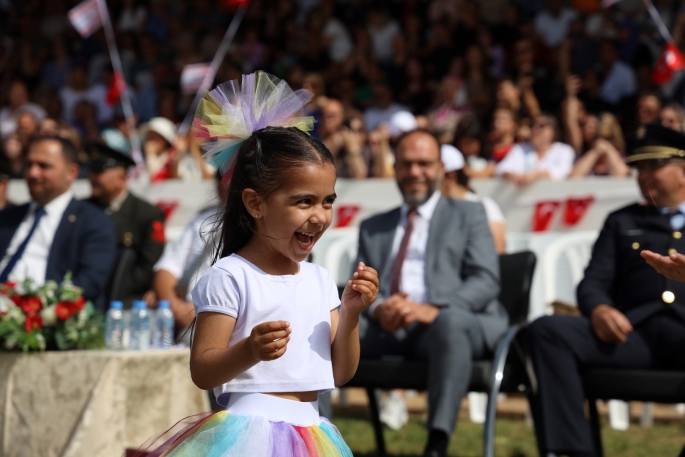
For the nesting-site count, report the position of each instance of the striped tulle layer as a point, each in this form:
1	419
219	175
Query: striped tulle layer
220	434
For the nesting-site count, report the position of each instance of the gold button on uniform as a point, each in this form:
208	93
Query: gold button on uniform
636	245
72	218
128	238
677	235
672	251
668	297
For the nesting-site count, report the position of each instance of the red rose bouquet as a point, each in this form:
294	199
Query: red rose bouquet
49	316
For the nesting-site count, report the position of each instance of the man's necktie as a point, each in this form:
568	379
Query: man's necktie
40	212
396	277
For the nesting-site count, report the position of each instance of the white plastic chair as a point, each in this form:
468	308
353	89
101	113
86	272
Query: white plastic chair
576	248
339	253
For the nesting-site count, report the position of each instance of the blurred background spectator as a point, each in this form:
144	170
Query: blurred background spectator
543	157
345	144
4	180
456	185
477	74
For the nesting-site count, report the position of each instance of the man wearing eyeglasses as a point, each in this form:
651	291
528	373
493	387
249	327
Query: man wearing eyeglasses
439	277
632	317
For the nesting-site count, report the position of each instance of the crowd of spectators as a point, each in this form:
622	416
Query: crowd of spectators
526	90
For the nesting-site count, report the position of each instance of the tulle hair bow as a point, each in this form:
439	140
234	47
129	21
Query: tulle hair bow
230	113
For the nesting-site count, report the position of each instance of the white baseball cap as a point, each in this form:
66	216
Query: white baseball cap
401	122
451	157
164	127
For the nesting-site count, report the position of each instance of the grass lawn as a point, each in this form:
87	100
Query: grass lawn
514	438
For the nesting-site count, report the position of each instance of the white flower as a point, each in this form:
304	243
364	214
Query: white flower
17	315
11	342
5	304
82	317
41	341
49	315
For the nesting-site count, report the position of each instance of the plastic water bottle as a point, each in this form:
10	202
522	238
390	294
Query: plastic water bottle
114	327
163	336
140	327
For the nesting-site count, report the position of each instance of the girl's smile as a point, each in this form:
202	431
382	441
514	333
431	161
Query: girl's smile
291	220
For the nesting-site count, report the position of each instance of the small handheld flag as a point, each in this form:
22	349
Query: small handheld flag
192	77
85	17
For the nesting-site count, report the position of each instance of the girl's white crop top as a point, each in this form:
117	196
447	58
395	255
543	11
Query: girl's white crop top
236	287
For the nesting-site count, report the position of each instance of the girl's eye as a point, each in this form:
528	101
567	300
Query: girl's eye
304	202
329	201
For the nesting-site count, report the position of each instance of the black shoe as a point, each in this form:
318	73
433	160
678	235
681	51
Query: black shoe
437	444
434	453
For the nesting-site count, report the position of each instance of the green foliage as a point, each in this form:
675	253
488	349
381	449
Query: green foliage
85	330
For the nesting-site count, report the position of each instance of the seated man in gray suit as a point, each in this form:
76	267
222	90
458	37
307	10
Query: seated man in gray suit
439	276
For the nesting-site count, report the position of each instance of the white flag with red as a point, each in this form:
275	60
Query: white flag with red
192	77
85	17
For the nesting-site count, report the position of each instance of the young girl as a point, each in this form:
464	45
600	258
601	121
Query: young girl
269	335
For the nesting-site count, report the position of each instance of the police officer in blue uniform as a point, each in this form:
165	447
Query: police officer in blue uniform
632	317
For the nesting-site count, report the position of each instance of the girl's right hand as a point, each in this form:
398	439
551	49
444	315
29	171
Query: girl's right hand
268	340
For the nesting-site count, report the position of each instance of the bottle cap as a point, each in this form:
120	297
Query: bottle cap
138	304
164	304
116	305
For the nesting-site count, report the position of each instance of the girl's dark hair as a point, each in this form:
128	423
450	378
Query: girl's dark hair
262	163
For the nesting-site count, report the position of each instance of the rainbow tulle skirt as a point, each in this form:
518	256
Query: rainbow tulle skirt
274	427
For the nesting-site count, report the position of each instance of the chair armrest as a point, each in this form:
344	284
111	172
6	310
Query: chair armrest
498	363
501	353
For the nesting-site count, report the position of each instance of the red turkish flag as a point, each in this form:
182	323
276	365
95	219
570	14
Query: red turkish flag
116	87
167	207
346	214
576	209
544	212
670	60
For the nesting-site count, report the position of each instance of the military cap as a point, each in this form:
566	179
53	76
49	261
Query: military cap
102	157
654	142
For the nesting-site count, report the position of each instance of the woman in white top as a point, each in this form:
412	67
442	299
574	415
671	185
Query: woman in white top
542	158
456	185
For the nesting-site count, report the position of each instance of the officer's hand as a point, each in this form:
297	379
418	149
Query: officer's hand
672	266
610	325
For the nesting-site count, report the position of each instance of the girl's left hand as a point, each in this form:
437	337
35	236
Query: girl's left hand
361	290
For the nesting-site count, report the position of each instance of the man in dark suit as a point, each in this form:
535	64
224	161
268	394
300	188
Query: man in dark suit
139	225
439	276
632	317
56	234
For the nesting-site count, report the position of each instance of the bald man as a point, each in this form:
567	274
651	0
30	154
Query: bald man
439	278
